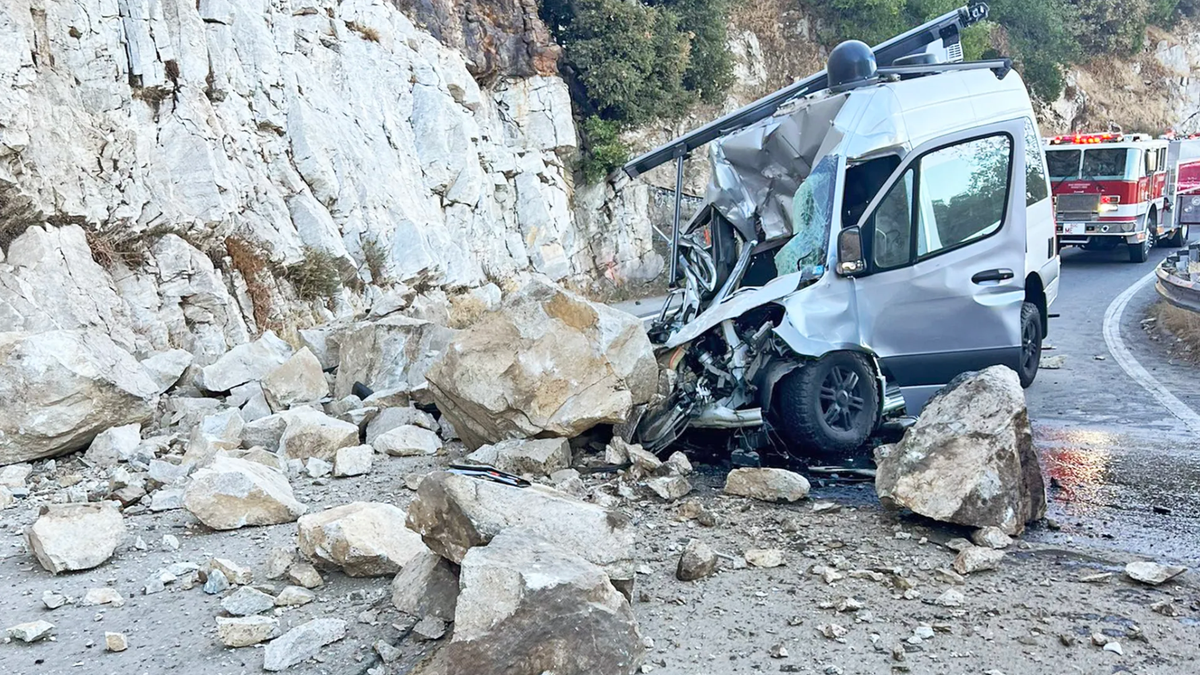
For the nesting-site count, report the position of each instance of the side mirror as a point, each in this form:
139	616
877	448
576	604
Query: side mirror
850	252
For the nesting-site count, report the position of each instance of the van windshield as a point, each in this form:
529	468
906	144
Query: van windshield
812	212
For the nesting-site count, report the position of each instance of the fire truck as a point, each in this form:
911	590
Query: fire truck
1183	161
1111	189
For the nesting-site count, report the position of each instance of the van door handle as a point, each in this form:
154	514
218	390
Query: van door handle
992	275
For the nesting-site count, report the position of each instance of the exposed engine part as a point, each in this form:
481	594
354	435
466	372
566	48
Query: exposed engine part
721	417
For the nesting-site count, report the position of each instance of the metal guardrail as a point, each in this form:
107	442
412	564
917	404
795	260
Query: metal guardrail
1177	283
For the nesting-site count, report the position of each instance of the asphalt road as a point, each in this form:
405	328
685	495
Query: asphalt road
1124	467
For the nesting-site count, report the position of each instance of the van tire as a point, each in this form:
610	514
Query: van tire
1031	343
822	411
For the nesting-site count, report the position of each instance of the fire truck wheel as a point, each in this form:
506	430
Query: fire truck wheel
1139	253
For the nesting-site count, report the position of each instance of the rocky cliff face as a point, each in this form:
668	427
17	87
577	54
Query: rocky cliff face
198	150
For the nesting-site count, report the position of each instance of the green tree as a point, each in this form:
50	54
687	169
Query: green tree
710	67
603	150
1111	26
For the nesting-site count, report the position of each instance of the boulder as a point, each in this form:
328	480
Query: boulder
363	539
353	461
768	485
30	632
454	513
215	433
266	432
427	586
305	575
696	562
669	488
251	400
991	537
114	445
165	368
393	418
393	353
302	642
525	601
60	389
70	537
244	363
314	434
244	631
294	596
540	457
969	459
232	493
408	441
548	362
299	380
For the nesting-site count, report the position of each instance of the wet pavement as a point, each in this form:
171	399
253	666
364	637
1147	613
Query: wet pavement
1124	471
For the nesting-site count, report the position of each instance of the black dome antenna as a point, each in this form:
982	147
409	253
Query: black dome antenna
851	64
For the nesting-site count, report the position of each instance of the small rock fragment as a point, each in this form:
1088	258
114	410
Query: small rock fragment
950	598
317	467
1114	647
778	651
294	596
768	485
53	600
216	583
247	601
408	441
1152	573
353	461
279	561
115	642
239	575
302	642
103	595
696	562
669	488
388	653
833	631
826	506
991	537
170	542
304	574
429	628
678	465
764	558
977	559
30	632
643	463
243	631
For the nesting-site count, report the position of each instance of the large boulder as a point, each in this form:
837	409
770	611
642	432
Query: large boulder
363	539
454	513
309	433
231	493
969	459
427	586
525	601
299	380
70	537
245	363
390	354
549	362
60	389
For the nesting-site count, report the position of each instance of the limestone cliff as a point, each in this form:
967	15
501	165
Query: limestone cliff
164	163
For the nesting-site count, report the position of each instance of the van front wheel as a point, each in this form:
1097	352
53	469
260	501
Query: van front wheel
1031	343
830	405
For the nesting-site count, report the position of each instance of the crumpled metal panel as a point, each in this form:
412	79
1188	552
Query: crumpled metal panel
755	172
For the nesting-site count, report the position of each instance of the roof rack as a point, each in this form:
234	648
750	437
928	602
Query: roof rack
947	28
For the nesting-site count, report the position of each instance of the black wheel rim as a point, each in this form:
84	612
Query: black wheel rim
842	400
1030	350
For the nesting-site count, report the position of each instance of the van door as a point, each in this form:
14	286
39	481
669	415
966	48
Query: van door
945	245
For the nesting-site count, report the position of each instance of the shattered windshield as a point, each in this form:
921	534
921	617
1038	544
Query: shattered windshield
812	212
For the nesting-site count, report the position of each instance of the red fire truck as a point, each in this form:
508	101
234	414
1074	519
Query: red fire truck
1111	189
1183	160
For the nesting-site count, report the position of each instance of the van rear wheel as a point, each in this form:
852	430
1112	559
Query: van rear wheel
830	405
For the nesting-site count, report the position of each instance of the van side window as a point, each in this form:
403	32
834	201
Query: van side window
1035	167
962	193
891	242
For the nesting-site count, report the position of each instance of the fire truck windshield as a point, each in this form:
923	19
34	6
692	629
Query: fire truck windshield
1093	164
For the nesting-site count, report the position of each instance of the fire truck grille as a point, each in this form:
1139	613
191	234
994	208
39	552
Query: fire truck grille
1078	207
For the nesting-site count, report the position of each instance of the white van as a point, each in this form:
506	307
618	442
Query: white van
863	243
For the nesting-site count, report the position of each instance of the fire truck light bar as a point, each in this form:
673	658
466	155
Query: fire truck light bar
1087	139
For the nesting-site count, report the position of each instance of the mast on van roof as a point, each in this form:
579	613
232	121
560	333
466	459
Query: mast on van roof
947	28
